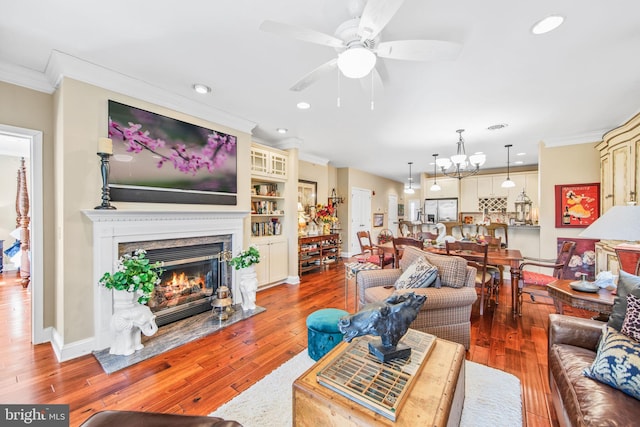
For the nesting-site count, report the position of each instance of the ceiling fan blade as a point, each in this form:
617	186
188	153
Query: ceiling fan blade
419	50
315	75
377	14
300	33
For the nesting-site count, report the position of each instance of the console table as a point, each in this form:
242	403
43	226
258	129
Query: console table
317	251
436	398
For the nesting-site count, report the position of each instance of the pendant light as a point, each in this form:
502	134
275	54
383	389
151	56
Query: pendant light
409	190
435	186
507	183
461	165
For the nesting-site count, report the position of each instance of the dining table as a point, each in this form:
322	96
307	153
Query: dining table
507	257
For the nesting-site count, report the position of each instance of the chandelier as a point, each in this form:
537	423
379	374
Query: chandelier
460	166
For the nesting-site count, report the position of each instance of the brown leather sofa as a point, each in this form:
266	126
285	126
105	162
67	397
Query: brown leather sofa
152	419
579	400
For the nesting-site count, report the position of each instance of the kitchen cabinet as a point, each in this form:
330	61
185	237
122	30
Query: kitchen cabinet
491	186
273	266
527	181
469	195
448	188
620	165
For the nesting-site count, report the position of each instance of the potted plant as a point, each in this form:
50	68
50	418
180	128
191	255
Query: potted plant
134	274
245	262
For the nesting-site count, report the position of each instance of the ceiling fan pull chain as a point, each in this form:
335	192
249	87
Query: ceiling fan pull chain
338	101
372	103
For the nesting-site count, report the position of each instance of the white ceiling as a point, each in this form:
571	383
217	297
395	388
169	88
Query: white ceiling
567	86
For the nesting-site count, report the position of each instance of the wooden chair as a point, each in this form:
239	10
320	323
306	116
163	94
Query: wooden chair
453	226
399	243
534	283
629	260
476	255
498	229
371	253
496	271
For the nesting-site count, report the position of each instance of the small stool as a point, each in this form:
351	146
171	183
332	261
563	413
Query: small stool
322	331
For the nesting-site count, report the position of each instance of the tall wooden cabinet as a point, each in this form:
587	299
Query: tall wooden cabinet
269	172
620	165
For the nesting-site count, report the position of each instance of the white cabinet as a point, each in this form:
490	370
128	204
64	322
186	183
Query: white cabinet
273	266
527	181
620	165
490	186
469	195
448	188
268	162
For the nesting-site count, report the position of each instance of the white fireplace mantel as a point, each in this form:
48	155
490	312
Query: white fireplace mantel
112	227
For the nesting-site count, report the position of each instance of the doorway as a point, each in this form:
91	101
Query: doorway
10	136
360	216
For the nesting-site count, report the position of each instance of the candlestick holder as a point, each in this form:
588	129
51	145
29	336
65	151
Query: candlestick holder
104	169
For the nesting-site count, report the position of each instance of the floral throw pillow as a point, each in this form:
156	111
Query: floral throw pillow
617	362
420	274
631	323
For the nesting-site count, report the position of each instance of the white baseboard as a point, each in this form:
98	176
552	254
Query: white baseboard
72	350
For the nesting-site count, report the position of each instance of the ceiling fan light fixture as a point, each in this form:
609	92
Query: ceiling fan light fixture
356	62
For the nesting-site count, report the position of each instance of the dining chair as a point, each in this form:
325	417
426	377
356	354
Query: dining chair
496	270
535	283
476	255
499	229
399	243
371	253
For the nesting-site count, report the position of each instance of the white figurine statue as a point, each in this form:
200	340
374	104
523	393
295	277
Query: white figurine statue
127	324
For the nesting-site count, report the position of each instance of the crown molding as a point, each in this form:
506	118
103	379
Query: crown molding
584	138
62	65
25	77
313	159
288	143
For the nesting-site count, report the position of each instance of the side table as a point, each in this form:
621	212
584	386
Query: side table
561	292
351	270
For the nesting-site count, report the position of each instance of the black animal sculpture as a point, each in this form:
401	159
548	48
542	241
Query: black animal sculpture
388	319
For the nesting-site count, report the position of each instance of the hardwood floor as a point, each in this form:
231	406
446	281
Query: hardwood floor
198	377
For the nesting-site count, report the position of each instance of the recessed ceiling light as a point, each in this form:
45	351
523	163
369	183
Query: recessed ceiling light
547	24
521	154
498	126
518	162
200	88
303	105
281	130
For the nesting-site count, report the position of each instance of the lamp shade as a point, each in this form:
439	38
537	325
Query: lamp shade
618	223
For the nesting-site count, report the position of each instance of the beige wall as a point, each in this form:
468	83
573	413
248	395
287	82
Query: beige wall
81	110
572	164
29	109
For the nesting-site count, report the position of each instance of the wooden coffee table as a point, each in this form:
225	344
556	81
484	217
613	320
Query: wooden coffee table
601	301
436	398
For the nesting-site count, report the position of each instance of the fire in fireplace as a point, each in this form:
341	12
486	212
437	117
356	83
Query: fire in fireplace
193	270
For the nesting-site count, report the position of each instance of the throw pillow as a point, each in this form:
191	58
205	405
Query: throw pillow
420	274
617	362
631	324
627	284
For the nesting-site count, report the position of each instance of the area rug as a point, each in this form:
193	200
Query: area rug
173	335
492	397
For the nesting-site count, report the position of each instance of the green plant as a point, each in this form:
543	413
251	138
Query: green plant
134	273
246	258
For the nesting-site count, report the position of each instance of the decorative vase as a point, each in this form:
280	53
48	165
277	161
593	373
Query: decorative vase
248	287
326	228
128	321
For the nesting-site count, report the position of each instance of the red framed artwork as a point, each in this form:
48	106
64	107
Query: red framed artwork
577	205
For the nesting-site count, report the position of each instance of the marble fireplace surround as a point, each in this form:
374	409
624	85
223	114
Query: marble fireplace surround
112	227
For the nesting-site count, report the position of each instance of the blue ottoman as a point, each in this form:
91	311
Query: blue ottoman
322	331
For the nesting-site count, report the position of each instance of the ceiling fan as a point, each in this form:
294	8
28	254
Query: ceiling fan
357	42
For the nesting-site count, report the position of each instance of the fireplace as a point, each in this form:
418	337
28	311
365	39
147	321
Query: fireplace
194	268
120	231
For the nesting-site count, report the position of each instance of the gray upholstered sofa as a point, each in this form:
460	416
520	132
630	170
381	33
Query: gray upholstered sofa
447	311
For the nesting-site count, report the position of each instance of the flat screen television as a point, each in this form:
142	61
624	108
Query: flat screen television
164	160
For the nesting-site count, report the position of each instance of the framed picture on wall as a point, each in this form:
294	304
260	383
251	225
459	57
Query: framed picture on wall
307	194
577	205
378	219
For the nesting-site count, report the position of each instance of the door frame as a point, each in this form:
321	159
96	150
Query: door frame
36	286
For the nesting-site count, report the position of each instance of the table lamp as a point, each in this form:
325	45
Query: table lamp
619	223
